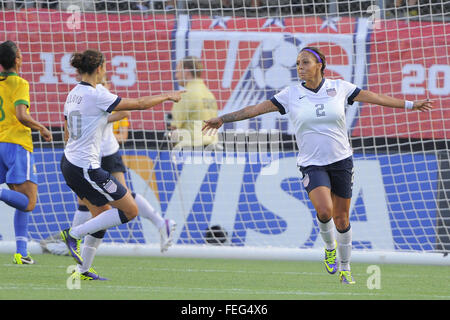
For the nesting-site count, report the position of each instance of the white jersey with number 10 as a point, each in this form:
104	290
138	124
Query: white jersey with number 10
87	110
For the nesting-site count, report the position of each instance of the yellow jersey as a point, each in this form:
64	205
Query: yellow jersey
196	104
14	91
122	123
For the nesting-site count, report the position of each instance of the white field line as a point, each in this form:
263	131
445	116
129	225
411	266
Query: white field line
234	291
442	276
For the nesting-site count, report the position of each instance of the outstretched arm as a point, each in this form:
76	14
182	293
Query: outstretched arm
119	115
387	101
122	133
148	101
246	113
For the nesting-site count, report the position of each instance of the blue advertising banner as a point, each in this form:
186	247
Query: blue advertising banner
258	201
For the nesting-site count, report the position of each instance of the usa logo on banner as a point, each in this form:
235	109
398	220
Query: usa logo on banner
248	60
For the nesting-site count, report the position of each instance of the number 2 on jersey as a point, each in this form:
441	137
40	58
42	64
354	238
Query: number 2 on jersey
319	110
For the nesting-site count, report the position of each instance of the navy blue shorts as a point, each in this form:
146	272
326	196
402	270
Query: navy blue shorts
113	163
96	185
337	176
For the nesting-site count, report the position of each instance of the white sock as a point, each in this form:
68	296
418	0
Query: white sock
88	252
344	249
327	233
80	217
148	212
105	220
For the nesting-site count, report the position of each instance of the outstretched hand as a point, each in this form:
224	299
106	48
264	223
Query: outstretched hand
212	125
175	96
422	105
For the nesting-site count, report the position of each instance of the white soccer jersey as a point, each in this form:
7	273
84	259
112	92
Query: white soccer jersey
87	110
109	143
318	117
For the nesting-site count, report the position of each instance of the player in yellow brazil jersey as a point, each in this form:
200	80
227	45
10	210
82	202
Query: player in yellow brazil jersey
16	146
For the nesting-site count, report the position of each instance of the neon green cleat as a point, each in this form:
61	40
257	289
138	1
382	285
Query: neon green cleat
88	275
19	259
79	241
346	277
330	261
73	245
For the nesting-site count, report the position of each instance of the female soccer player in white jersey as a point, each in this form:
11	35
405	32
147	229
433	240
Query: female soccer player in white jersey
111	161
316	107
87	110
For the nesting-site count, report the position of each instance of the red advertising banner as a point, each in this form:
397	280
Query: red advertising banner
247	60
137	49
409	60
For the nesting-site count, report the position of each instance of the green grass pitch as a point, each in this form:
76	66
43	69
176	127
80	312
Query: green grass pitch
167	278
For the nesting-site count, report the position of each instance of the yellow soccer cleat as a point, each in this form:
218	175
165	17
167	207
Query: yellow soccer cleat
19	259
346	277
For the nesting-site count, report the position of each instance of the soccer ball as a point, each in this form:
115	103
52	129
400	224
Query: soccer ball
276	66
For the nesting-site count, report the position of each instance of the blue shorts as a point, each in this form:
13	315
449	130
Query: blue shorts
113	163
16	164
337	176
96	185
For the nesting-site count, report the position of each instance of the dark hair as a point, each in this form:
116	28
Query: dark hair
320	54
194	65
88	61
8	55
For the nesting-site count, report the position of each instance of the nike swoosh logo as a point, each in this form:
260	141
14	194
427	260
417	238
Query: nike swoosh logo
329	269
301	97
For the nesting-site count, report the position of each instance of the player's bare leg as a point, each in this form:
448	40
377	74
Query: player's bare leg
166	227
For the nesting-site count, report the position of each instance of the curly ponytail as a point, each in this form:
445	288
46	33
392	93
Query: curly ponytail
88	61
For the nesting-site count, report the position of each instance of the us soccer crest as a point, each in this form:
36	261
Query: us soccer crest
331	92
259	62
